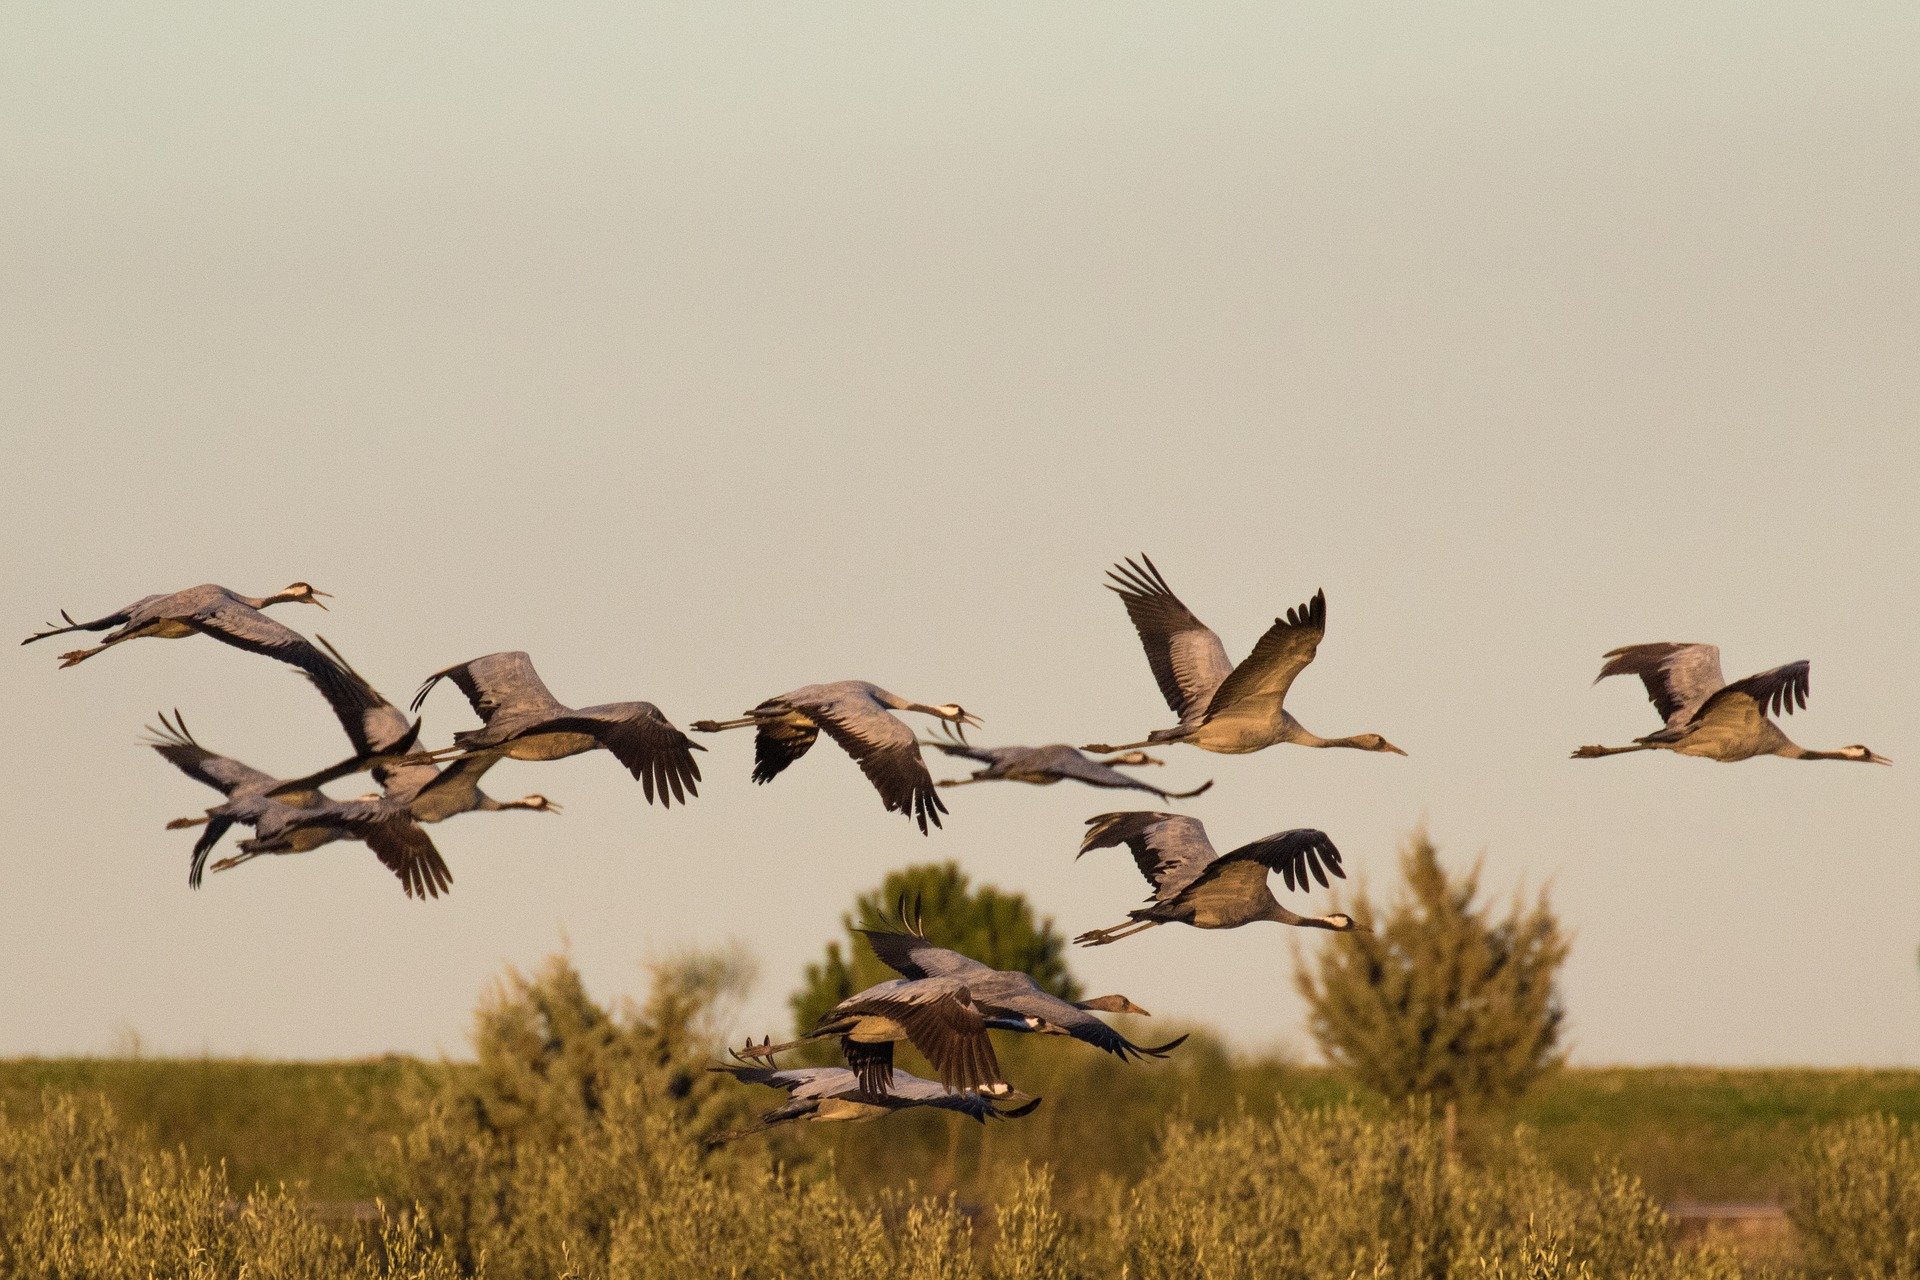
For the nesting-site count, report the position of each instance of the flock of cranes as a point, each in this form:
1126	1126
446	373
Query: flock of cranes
943	1003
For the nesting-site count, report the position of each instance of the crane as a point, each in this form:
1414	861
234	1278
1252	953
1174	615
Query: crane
1222	707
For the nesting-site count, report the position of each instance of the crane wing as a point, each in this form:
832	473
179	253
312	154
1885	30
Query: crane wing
222	773
1082	1025
1171	850
407	851
886	751
780	740
433	794
654	751
911	956
1281	655
244	627
1187	658
1294	854
1679	677
941	1020
495	683
1779	691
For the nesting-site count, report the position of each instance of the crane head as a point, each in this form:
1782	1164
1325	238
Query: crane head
1374	742
303	593
955	714
1341	922
1860	753
1114	1004
538	803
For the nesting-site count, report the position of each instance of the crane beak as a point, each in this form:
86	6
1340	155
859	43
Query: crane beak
1388	746
1872	758
313	597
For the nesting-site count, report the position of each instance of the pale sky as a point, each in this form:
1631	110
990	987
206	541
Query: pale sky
705	352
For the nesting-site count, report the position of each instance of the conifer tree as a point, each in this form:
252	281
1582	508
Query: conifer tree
995	927
1437	998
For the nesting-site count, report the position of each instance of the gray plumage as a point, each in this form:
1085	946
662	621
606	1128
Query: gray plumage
524	721
210	610
1191	884
1009	999
937	1014
859	716
295	821
1222	707
1706	716
1056	762
830	1094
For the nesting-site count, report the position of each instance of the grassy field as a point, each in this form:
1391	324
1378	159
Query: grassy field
1688	1133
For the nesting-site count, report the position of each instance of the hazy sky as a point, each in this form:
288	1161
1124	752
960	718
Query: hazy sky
707	351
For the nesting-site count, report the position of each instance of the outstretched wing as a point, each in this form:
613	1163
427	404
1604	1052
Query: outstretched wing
222	773
886	751
1171	850
377	729
911	956
942	1022
405	849
1777	692
1077	767
1679	677
245	627
1281	654
498	682
953	745
1083	1025
654	751
1294	854
779	741
1187	658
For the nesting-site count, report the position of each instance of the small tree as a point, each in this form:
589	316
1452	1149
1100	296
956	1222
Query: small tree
994	927
1437	998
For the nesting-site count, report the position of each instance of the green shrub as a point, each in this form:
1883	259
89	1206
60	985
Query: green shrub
1437	998
1855	1200
82	1198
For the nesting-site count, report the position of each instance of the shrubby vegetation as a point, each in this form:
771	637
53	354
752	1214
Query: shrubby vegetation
1436	998
575	1147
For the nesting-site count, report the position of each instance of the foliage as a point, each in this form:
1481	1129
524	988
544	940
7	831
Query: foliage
1856	1200
1437	998
993	926
81	1196
527	1159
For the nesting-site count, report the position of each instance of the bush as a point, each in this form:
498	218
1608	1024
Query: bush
1436	998
82	1197
1855	1200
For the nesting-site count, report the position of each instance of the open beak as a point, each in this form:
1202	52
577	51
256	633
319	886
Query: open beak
553	806
314	598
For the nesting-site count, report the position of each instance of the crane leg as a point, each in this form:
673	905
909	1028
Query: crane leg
1100	937
961	782
181	824
716	726
1103	749
1594	753
1176	795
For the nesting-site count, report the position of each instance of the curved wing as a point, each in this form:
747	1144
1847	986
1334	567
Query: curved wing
1294	854
1188	660
1679	677
495	683
941	1020
1281	655
408	851
244	627
1779	691
222	773
911	956
779	741
1083	1026
886	751
654	751
954	746
374	725
1171	850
